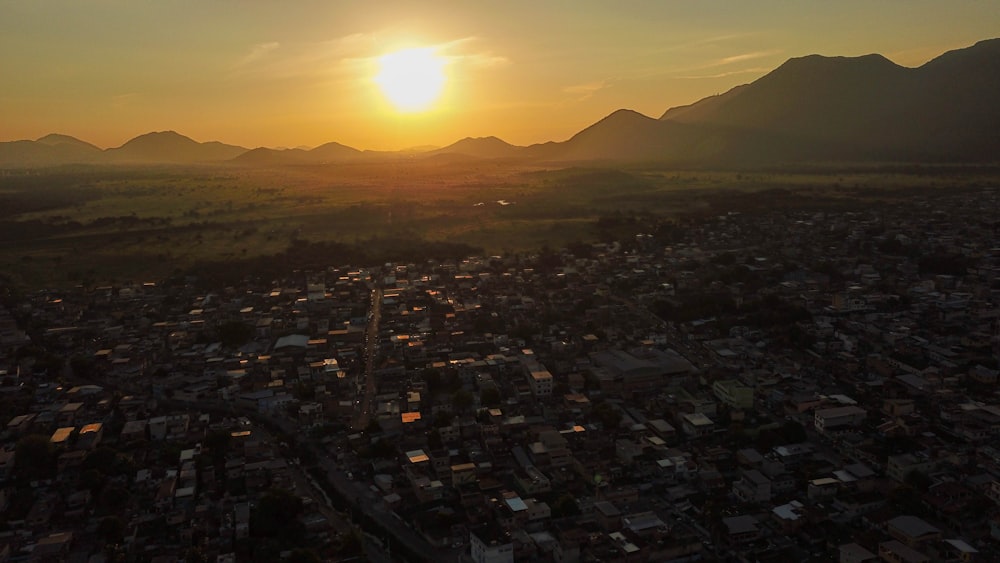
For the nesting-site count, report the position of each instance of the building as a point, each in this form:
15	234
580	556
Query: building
897	552
912	531
733	393
697	424
489	544
854	553
540	382
753	486
839	418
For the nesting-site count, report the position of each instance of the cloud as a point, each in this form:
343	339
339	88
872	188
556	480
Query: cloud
744	57
694	72
123	100
275	60
584	91
344	59
457	52
723	74
258	52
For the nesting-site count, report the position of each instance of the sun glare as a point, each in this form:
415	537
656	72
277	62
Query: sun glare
411	79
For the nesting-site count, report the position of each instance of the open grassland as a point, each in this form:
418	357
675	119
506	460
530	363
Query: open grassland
93	225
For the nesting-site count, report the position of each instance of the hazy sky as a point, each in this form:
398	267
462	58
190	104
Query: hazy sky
288	73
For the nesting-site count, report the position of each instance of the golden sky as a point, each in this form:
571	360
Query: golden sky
268	73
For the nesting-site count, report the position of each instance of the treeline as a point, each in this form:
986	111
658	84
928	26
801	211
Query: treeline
43	228
309	255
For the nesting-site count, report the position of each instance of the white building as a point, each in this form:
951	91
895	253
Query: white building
839	418
490	545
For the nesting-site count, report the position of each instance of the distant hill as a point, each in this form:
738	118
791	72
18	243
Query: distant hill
50	150
58	140
263	156
333	152
866	108
810	108
172	147
480	147
323	154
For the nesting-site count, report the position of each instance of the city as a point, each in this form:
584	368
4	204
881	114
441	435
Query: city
755	385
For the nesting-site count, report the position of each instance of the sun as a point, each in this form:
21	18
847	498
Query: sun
412	79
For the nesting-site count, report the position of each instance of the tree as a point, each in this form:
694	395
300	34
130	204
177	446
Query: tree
303	555
234	334
490	397
276	516
34	458
565	505
609	416
432	378
918	480
111	530
794	432
461	400
443	418
217	442
114	497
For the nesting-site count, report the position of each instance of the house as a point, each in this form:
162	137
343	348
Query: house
838	418
899	466
733	394
897	552
912	531
741	529
697	424
752	486
854	553
52	548
489	544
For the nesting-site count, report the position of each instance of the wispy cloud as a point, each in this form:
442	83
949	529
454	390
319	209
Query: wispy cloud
753	70
581	92
463	51
123	100
744	57
706	69
258	52
346	56
289	60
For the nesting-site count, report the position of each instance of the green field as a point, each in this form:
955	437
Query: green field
96	225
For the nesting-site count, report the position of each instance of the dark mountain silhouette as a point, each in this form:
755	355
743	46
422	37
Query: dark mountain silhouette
623	135
333	152
50	150
865	108
480	147
58	140
263	156
172	147
810	108
323	154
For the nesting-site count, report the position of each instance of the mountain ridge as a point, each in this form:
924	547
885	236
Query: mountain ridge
811	107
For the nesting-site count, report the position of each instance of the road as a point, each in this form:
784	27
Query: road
362	413
356	493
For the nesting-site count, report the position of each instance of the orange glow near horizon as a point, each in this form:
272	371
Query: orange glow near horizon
395	74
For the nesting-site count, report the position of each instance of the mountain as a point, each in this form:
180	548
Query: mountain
58	140
811	108
172	147
323	154
623	135
333	152
480	147
866	108
262	156
50	150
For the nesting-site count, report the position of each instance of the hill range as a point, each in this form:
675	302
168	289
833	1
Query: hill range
812	108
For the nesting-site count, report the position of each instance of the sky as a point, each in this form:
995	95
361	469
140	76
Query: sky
302	73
